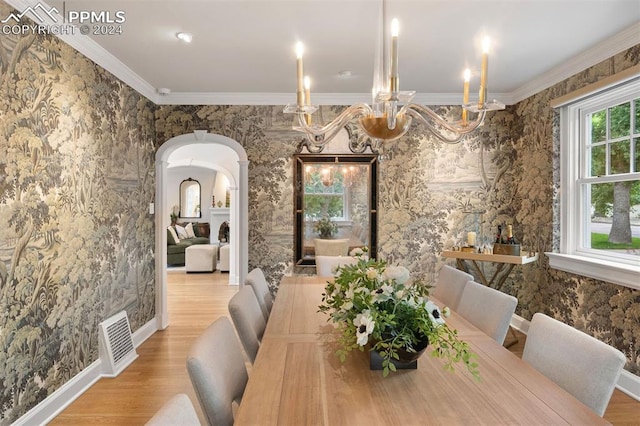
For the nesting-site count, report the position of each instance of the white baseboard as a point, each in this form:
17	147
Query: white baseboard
53	405
628	382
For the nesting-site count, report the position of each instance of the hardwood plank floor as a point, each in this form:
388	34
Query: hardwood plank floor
196	300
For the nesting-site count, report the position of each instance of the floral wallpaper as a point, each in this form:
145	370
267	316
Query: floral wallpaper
77	174
76	244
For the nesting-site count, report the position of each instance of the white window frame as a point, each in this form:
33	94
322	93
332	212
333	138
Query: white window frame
573	256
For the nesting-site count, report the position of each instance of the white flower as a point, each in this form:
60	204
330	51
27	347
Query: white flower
398	273
385	292
372	274
356	252
434	312
364	326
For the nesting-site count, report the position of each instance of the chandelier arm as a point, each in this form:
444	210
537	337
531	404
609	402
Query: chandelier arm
333	127
416	110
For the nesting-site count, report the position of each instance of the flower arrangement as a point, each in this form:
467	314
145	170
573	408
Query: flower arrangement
325	227
379	305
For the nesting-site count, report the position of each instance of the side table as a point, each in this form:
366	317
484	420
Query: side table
506	263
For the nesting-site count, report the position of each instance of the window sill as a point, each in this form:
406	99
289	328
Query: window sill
617	273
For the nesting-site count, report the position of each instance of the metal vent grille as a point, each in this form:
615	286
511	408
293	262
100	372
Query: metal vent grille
116	344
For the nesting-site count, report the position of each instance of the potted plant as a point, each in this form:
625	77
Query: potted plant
378	306
325	227
175	211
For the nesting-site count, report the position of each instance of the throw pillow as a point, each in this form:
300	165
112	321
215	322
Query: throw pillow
196	230
174	236
182	233
189	229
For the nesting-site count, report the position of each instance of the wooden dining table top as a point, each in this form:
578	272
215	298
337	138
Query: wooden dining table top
297	379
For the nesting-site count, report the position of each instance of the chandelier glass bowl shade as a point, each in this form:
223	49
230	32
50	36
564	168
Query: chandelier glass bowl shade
391	112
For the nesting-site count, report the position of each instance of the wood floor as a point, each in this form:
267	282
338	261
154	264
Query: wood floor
196	300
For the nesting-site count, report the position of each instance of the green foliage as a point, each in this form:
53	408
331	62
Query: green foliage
377	305
325	227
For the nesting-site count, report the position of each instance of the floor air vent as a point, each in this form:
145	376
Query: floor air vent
116	345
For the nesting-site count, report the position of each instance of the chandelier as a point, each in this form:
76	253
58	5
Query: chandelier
391	112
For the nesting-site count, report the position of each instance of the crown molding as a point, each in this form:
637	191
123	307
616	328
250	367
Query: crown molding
625	39
92	50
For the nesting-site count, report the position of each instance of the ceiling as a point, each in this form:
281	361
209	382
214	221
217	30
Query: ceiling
243	50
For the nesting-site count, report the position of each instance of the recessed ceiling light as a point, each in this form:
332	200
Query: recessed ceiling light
344	74
186	37
163	91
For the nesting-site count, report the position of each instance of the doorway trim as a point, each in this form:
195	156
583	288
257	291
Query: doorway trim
239	215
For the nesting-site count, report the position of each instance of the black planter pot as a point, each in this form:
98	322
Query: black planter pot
408	360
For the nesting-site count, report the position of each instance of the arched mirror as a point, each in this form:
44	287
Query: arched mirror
335	204
190	199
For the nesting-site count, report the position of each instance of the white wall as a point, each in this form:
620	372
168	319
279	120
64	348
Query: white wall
205	176
220	189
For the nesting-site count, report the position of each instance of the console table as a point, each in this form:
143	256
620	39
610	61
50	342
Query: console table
503	260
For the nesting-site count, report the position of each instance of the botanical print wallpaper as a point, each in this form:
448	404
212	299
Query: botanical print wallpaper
76	240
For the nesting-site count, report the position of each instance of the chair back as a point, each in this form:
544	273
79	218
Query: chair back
488	309
258	282
326	265
178	410
338	247
450	285
582	365
217	371
248	318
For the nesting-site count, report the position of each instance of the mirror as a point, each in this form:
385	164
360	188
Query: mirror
335	202
190	199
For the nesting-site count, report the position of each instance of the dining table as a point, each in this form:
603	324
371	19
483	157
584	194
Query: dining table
297	378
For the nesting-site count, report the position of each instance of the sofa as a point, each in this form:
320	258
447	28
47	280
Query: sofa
176	249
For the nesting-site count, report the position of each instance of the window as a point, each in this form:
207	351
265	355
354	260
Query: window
600	186
325	193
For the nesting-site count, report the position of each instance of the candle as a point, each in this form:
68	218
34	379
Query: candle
483	71
465	94
307	96
471	238
395	30
300	91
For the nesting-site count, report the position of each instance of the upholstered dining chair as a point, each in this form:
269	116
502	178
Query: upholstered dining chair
258	282
450	285
326	265
217	371
248	318
339	247
178	410
488	309
582	365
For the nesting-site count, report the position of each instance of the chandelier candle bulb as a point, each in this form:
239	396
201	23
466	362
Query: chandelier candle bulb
307	96
395	30
486	43
300	91
471	239
465	94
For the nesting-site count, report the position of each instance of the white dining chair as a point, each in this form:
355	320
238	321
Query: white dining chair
326	266
450	285
217	371
488	309
248	319
339	247
258	282
582	365
177	411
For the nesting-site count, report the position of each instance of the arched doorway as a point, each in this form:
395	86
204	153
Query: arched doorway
238	214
